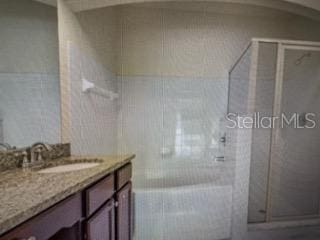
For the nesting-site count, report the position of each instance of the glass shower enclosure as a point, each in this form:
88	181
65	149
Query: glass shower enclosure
182	187
280	89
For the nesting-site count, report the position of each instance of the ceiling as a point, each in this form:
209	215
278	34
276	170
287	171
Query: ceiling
49	2
307	8
315	4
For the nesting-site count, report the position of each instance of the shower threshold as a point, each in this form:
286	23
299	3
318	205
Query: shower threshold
283	224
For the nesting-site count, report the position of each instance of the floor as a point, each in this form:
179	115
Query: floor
306	233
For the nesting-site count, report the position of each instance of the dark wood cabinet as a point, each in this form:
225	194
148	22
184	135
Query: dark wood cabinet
101	226
123	176
102	211
98	194
72	233
123	212
65	215
18	234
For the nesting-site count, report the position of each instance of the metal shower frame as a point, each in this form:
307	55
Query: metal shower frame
282	46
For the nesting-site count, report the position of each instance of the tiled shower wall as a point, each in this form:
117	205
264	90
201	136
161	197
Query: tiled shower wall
160	46
29	83
180	116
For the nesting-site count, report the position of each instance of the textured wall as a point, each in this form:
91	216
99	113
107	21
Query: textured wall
166	42
310	3
81	5
86	51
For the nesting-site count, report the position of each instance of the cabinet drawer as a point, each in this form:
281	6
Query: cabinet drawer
123	213
48	223
123	175
98	194
101	226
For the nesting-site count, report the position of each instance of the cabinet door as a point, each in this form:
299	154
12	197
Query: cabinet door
101	226
123	213
17	234
63	215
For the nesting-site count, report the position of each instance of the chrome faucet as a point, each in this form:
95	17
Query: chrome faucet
36	152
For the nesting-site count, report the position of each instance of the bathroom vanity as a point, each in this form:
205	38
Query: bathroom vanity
93	203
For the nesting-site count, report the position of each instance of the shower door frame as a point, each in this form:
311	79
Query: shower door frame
283	45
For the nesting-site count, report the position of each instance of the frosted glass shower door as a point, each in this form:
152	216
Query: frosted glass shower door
295	164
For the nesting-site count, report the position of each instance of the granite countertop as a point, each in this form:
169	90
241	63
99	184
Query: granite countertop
26	193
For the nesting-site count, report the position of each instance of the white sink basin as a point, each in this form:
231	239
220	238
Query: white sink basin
68	167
